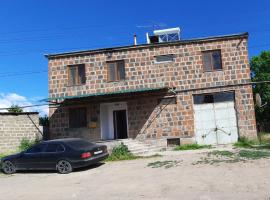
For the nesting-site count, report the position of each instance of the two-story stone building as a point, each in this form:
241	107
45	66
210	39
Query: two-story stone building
166	89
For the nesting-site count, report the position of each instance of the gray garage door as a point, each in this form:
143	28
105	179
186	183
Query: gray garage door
215	118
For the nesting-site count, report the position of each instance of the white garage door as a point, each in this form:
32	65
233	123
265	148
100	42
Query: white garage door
215	118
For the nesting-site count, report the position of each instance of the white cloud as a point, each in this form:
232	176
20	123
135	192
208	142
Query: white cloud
7	100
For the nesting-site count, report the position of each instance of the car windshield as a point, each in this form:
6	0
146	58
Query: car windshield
79	144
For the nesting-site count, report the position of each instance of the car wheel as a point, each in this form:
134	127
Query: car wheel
8	167
63	167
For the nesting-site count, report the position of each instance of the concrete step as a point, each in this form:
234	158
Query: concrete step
141	149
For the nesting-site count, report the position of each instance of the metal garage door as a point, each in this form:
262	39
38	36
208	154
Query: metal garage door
215	118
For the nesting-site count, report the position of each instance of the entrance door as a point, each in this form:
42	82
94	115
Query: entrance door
215	118
120	124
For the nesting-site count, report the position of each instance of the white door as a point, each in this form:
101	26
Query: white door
215	118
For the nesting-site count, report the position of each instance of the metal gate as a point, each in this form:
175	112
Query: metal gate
215	118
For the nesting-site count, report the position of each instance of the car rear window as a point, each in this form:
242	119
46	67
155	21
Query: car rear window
79	144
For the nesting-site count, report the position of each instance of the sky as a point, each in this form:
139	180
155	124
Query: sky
32	28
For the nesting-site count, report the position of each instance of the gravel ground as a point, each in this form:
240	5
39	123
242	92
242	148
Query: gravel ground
173	176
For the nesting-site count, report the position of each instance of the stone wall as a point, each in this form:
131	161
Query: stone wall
16	126
185	73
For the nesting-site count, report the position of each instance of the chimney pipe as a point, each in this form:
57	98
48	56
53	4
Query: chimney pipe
147	38
135	39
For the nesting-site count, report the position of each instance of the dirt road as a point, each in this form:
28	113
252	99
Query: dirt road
175	176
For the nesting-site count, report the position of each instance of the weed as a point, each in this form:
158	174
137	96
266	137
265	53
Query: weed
244	142
26	144
253	155
191	147
121	152
221	153
166	164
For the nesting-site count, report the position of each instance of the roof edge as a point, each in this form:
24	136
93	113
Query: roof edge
19	113
110	49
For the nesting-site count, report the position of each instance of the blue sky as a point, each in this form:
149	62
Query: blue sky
32	28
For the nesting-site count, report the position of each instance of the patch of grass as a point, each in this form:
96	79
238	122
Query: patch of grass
121	152
253	154
244	142
191	147
166	164
216	157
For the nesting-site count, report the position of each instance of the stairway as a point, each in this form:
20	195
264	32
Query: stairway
139	148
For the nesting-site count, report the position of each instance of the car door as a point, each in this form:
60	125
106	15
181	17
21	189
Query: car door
32	158
51	155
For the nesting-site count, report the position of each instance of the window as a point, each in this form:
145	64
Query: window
76	74
212	60
77	117
213	98
164	58
171	37
36	149
116	70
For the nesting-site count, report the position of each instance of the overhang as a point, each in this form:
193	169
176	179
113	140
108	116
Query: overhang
120	93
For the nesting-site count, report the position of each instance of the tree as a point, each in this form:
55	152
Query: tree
44	121
15	109
260	71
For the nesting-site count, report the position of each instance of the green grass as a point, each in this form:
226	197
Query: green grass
191	147
253	154
121	152
245	143
263	143
243	155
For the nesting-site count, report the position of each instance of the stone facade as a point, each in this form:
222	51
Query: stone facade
16	126
147	119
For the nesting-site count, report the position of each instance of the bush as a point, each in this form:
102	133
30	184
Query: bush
26	144
121	152
191	147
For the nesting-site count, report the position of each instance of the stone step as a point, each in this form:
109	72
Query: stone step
140	148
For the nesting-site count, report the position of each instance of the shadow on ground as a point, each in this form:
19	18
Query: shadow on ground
55	172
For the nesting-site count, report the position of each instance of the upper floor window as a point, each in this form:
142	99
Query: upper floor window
116	70
76	74
77	117
212	60
164	58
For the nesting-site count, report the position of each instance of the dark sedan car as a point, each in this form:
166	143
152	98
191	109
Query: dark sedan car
62	155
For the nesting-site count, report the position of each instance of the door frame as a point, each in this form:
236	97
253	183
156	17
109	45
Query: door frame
110	107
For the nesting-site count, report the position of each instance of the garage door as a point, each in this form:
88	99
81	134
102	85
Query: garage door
215	118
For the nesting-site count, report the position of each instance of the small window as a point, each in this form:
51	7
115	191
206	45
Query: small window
116	70
164	58
76	75
212	60
213	98
77	117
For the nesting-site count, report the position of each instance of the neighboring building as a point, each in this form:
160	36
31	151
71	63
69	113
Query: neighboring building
196	90
16	126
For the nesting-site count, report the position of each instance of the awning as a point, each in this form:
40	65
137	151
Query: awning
111	94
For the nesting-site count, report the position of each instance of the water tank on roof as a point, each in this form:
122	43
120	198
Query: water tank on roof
164	35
